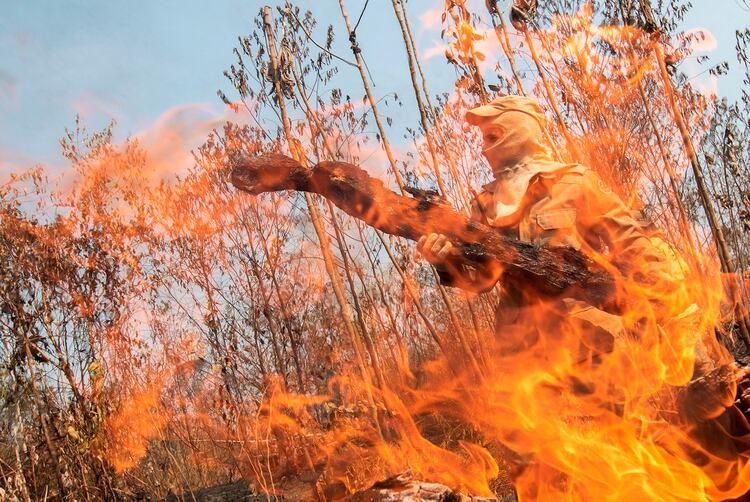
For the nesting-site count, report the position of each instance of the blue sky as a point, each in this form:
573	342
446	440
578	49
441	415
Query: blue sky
145	63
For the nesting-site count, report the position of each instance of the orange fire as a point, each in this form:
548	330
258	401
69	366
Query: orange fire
140	419
586	421
585	416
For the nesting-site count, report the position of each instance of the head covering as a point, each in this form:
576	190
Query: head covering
482	114
517	151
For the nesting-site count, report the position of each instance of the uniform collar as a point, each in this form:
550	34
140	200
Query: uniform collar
532	169
508	194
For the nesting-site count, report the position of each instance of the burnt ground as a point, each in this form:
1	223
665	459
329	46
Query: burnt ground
239	491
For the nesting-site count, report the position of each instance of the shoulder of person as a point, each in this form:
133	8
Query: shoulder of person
559	172
585	179
596	184
579	173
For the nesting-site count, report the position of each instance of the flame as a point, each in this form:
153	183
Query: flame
608	60
586	415
588	418
636	405
140	419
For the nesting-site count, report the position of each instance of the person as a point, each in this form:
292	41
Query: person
547	203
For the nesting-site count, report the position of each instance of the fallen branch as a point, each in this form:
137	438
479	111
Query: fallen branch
549	271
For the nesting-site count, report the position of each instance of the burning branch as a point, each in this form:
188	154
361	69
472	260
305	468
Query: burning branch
550	271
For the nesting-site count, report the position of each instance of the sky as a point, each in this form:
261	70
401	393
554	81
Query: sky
156	65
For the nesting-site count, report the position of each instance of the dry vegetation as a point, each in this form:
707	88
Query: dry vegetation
148	330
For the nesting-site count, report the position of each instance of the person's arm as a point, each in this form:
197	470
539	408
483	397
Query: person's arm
608	225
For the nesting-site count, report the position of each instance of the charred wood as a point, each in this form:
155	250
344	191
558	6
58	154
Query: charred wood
550	272
399	488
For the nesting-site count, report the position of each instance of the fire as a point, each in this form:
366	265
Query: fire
587	418
140	419
462	35
642	415
609	58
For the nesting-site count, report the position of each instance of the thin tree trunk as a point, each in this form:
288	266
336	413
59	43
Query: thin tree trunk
19	464
420	105
340	238
317	222
474	67
599	118
684	225
286	316
272	329
384	138
411	56
44	419
256	330
404	354
330	151
366	335
366	83
550	95
465	197
418	305
501	32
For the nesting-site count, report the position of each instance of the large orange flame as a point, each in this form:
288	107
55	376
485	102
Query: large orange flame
587	418
581	415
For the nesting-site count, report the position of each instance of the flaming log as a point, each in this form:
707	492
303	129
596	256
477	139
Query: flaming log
548	271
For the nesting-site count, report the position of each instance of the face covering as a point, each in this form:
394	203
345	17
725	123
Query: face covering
515	151
511	138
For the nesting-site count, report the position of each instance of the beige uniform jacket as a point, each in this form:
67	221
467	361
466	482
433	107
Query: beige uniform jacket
571	206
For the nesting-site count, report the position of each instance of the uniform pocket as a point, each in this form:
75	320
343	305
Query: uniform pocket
559	218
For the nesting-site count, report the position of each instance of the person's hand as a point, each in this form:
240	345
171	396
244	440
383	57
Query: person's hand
435	248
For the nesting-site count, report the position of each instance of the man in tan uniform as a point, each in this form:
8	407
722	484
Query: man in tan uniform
547	203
